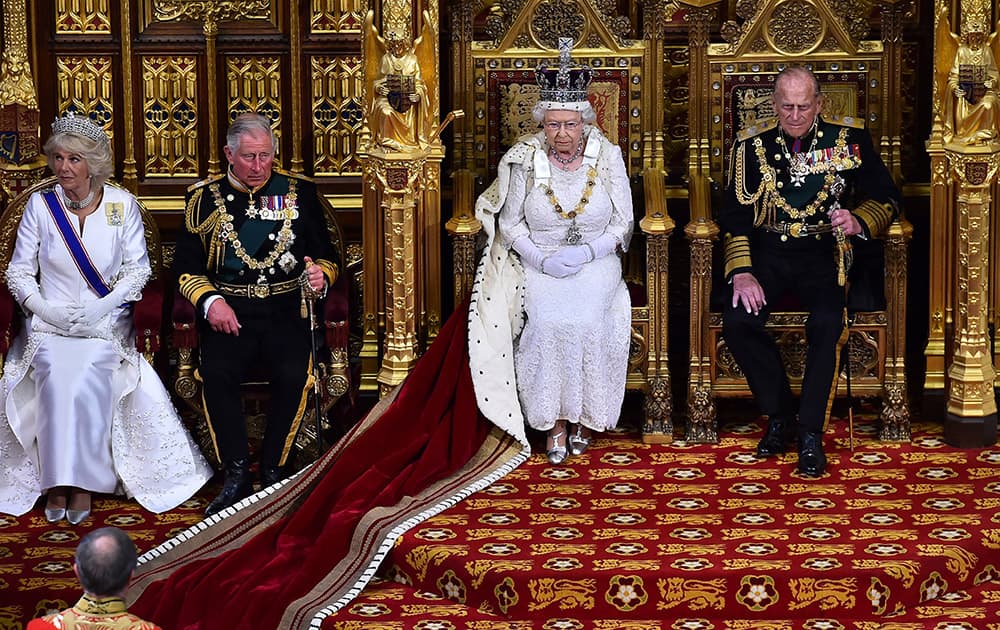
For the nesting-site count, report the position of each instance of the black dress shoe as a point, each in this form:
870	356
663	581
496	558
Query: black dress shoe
812	459
775	440
236	487
270	475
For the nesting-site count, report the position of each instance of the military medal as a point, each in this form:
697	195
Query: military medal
114	212
252	209
798	170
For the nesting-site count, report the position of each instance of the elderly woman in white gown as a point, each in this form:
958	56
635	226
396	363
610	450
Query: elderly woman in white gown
83	411
554	318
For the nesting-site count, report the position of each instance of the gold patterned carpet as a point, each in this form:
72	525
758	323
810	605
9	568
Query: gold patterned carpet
686	537
698	537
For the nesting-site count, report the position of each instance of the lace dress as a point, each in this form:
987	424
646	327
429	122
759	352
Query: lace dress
88	412
571	357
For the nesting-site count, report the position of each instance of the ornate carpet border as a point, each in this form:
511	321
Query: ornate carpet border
229	528
378	531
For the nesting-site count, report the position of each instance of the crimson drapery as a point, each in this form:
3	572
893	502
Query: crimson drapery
431	430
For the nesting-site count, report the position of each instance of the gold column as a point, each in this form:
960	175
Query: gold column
211	29
701	231
657	226
18	102
18	86
297	62
399	177
374	307
658	427
942	229
463	226
940	296
430	247
971	419
130	174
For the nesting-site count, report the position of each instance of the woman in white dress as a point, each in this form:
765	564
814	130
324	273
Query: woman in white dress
83	411
562	203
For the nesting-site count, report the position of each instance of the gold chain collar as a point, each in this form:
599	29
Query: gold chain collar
769	181
229	233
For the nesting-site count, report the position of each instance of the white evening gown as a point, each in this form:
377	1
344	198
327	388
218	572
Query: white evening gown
571	358
88	412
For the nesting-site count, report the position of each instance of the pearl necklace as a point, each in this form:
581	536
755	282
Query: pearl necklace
78	205
567	161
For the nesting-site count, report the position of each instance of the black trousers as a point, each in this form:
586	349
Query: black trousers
807	271
273	341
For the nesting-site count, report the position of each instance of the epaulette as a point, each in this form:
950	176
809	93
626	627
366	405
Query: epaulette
845	121
755	130
206	181
282	171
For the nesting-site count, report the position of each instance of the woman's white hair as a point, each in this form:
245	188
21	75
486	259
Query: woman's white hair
584	107
97	155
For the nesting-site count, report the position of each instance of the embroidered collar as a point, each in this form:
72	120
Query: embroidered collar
236	183
93	605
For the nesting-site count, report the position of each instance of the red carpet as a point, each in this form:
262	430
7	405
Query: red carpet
698	537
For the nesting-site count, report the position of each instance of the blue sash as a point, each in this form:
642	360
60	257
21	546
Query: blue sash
75	247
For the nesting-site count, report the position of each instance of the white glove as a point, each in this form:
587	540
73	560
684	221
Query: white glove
603	245
574	255
84	330
530	253
91	313
59	316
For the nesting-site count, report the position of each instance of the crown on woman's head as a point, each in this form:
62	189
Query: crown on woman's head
566	84
80	126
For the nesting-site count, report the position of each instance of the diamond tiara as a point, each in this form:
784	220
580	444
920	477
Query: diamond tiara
566	83
80	126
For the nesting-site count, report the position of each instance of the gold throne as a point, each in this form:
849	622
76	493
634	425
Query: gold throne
738	77
495	85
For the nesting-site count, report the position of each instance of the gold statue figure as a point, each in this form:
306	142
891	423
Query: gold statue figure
971	111
400	105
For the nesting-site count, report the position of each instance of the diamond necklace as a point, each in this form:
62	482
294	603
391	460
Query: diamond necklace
570	159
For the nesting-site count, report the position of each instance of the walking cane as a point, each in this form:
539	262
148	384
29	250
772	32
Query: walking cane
850	396
308	309
845	258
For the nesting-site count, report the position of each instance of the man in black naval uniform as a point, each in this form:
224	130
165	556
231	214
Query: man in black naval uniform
254	247
800	188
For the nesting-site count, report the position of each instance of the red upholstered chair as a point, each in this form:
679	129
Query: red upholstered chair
147	313
333	317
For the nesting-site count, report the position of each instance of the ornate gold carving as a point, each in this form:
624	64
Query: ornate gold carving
83	17
336	16
170	119
255	86
795	27
337	114
84	84
211	11
16	83
557	18
701	416
397	18
658	426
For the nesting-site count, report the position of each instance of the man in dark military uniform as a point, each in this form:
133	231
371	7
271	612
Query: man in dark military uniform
255	246
800	188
